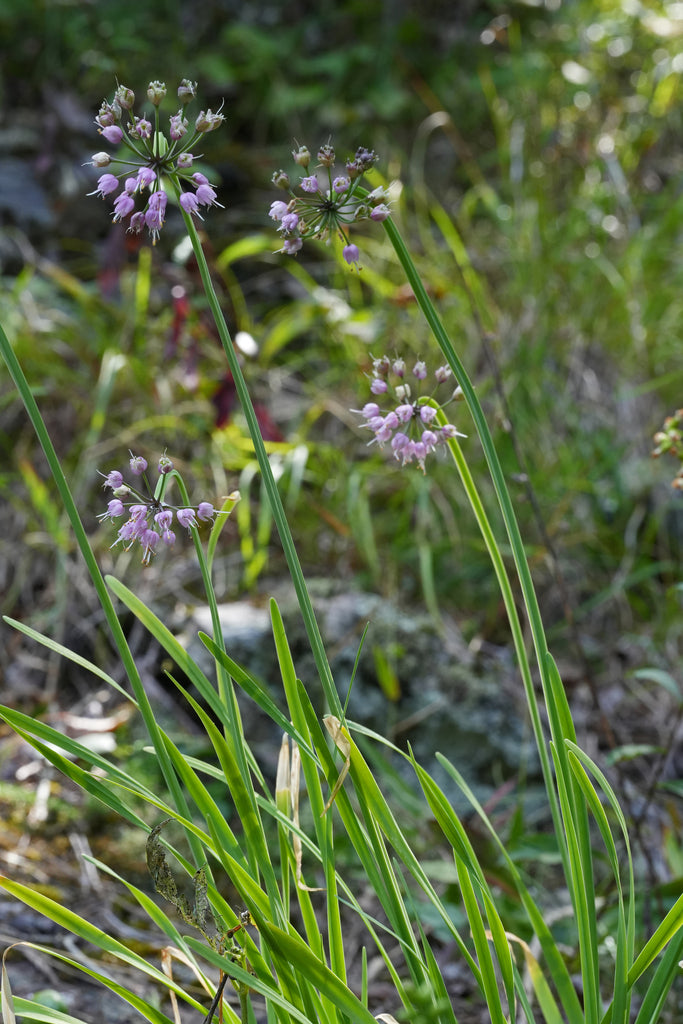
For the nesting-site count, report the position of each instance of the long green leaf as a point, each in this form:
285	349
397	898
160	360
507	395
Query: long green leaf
143	1006
487	973
254	689
556	964
291	949
668	969
83	542
254	836
626	921
66	652
284	993
583	897
79	926
666	931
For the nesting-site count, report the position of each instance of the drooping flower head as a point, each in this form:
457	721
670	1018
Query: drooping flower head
324	201
411	421
149	516
150	161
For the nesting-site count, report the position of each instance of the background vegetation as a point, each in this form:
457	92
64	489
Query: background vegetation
538	147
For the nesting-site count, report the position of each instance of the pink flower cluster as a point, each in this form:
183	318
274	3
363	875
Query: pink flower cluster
151	159
149	518
410	426
325	208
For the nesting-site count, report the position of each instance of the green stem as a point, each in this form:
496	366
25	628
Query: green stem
506	592
277	508
168	771
506	507
226	690
222	676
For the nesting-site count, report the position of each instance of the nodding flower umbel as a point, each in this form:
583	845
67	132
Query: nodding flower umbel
411	424
327	201
147	160
149	519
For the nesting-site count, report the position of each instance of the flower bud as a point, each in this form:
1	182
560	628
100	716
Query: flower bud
178	126
113	479
108	115
302	156
326	156
141	128
100	160
112	133
184	161
165	464
156	92
281	179
380	213
208	121
124	97
187	91
351	253
365	158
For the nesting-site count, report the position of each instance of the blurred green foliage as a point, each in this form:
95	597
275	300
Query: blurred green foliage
538	147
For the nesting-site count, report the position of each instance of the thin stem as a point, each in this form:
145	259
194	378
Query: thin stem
122	647
226	689
505	589
222	675
505	503
277	508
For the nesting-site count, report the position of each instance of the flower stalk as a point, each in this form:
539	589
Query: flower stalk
276	505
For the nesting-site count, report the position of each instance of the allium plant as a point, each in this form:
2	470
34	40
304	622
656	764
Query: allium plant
412	425
147	161
150	517
669	441
327	200
301	975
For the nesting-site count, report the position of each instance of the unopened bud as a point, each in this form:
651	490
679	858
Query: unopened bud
178	126
124	97
381	366
109	114
380	213
302	156
282	779
100	160
187	91
281	179
156	92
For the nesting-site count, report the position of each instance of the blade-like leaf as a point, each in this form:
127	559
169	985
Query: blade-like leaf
294	951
